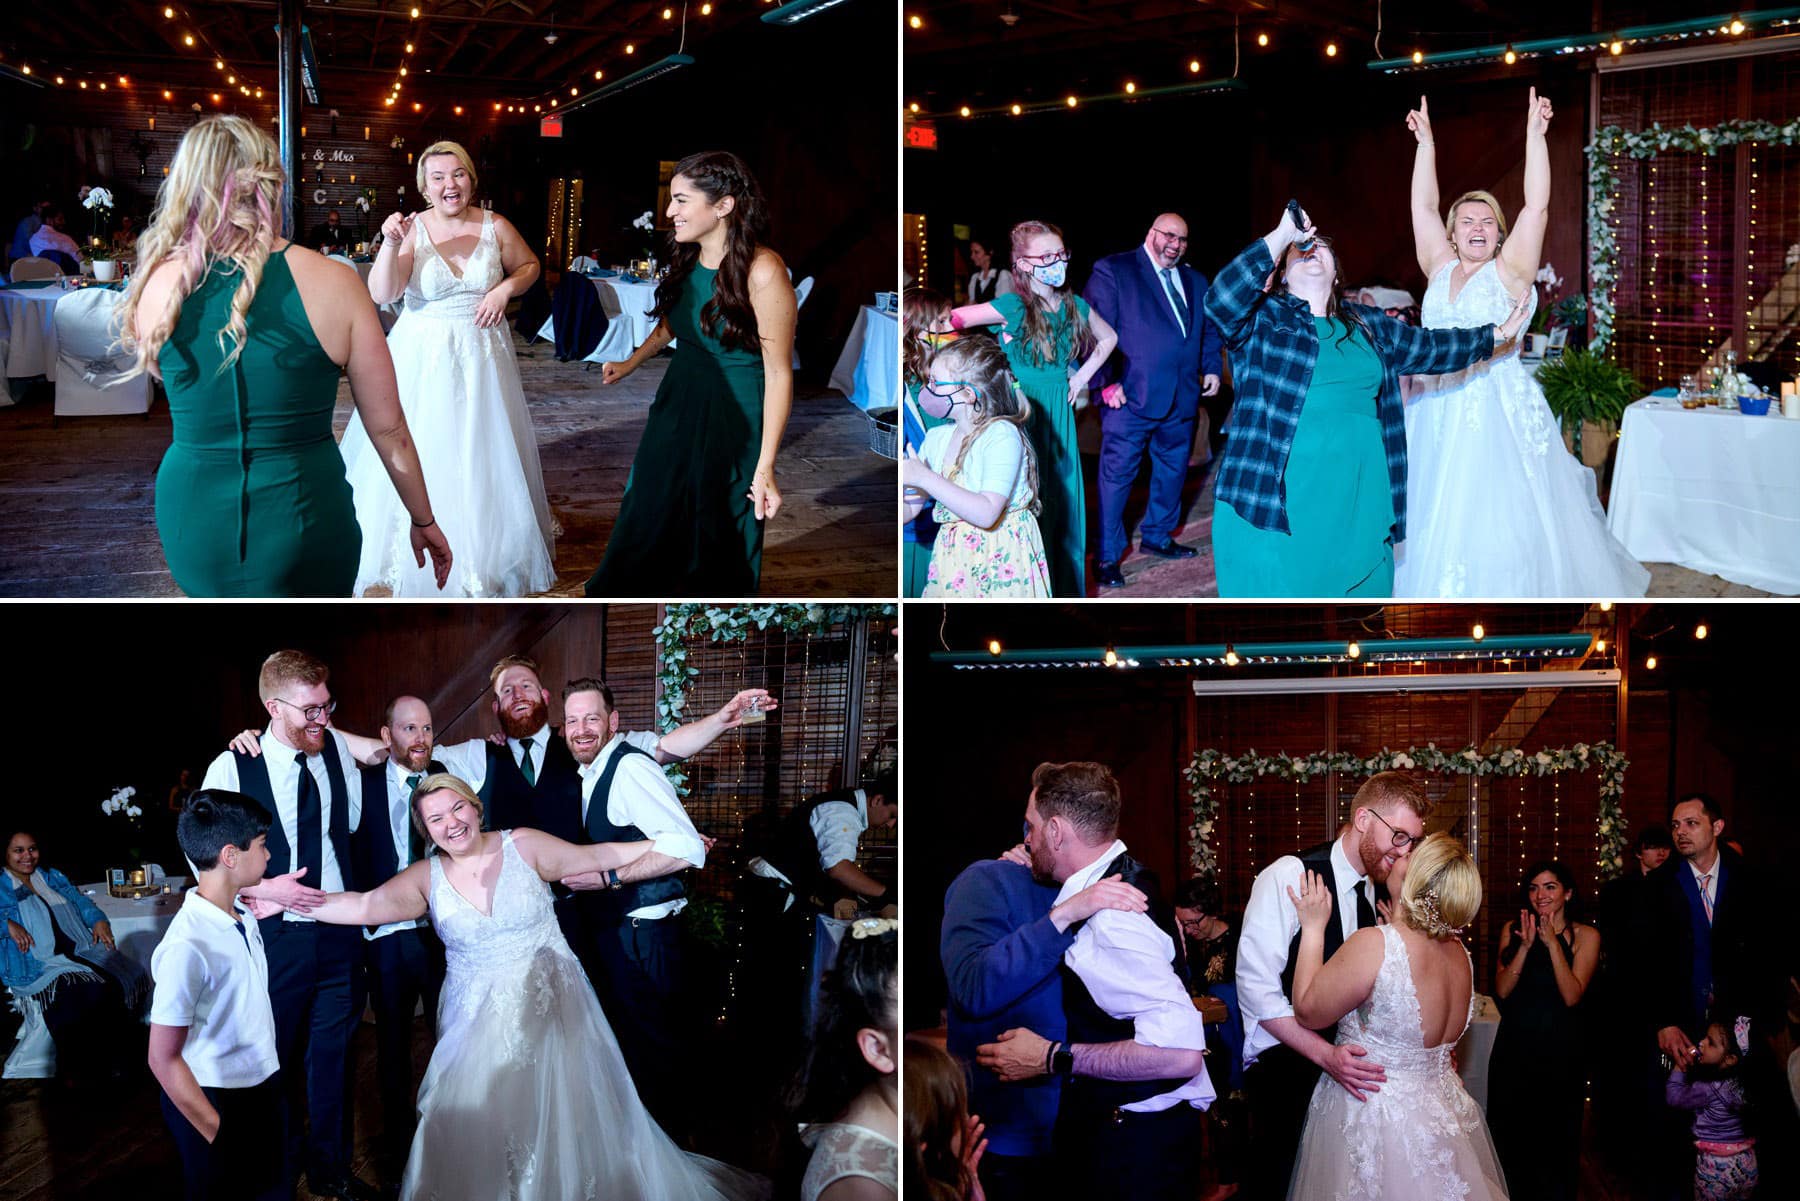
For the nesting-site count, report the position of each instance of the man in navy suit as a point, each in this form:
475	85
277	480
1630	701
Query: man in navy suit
1168	358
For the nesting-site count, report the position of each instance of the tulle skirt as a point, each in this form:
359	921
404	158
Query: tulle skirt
527	1098
465	406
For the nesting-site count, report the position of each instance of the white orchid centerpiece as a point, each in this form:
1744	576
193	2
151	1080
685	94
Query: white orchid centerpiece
120	802
99	201
645	222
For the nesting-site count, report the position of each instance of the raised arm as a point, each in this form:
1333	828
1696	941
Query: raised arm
393	262
776	307
400	899
553	859
1525	248
975	314
686	741
1429	243
1237	291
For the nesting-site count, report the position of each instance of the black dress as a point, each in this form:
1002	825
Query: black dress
1536	1081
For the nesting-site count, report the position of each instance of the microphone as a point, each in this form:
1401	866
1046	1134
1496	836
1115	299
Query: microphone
1293	208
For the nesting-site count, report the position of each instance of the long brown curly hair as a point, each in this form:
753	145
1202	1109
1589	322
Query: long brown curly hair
978	361
728	315
920	309
936	1109
1039	328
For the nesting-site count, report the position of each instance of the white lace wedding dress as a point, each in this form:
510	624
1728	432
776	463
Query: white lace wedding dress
465	406
1495	504
1422	1136
527	1097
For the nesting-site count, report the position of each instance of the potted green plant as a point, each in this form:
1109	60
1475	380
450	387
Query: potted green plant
1588	393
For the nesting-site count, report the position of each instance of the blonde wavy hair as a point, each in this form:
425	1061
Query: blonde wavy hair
1443	888
218	204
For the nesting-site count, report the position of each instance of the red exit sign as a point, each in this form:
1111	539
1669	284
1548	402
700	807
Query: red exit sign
922	135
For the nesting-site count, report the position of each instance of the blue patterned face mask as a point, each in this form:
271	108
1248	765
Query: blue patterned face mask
1052	275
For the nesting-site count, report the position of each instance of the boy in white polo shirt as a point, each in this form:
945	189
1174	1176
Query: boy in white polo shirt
212	1030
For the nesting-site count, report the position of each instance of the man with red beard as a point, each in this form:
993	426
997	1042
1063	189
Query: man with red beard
302	776
623	926
1282	1058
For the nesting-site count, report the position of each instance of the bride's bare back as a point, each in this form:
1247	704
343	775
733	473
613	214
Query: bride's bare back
1442	981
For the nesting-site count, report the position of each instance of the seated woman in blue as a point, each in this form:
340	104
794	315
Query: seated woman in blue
60	964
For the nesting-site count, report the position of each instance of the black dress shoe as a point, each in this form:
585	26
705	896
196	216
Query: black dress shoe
1168	550
1109	575
349	1188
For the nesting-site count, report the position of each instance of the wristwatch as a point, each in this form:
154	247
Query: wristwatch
612	878
1062	1064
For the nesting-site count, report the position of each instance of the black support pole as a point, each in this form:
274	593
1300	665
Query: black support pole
287	85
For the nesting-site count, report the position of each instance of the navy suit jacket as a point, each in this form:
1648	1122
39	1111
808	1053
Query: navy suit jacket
1159	368
1677	951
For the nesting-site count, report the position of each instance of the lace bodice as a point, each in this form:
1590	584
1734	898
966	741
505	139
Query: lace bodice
436	289
523	921
1388	1023
1482	301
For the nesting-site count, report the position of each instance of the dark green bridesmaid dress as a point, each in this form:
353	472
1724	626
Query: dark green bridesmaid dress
251	498
687	526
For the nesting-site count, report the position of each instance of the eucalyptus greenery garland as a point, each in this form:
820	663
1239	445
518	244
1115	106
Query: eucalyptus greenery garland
1211	766
729	623
1610	141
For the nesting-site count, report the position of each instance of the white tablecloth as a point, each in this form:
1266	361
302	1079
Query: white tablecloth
28	323
1476	1048
1712	490
868	370
137	926
628	322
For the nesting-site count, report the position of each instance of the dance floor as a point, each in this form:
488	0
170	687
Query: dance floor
80	521
1148	576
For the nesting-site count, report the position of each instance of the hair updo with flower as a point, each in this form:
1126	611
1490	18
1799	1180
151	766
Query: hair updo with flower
1442	890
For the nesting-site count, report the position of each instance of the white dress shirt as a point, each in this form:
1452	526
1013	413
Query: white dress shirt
399	828
1175	277
467	761
211	977
284	782
48	237
837	827
642	796
1127	963
1270	923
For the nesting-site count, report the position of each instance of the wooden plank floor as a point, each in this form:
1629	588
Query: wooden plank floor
79	516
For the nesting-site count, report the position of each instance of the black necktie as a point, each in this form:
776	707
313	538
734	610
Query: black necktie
525	763
415	845
1365	912
1181	308
311	828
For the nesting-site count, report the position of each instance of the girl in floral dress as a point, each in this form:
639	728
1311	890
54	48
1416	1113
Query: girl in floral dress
981	472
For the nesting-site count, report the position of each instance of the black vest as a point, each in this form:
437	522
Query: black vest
600	828
980	293
1088	1023
377	859
552	805
1318	859
253	782
795	853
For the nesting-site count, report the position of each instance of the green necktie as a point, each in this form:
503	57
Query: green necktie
525	764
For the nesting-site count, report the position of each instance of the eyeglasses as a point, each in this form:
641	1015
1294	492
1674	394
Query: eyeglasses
1166	235
1045	260
312	712
1401	837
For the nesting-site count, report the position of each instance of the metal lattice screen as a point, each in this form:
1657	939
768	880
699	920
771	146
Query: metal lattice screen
1709	245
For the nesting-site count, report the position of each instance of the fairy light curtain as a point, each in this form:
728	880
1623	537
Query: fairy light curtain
1708	245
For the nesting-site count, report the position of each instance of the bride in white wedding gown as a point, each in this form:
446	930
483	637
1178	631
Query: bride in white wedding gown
1496	506
455	267
527	1097
1404	992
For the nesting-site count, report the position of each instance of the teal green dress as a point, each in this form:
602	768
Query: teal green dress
921	531
1051	432
687	526
251	498
1340	503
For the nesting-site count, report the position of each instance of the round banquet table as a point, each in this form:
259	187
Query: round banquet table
137	926
28	326
868	370
627	307
1711	489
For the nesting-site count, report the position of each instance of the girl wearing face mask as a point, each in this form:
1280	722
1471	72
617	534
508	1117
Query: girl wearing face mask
1046	328
925	325
1499	507
1311	495
982	472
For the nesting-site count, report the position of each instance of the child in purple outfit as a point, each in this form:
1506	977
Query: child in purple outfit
1725	1160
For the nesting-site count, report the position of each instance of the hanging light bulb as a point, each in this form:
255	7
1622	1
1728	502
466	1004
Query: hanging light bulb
1606	606
963	111
1330	49
1600	646
1262	39
1418	57
1479	632
1650	663
1354	650
1072	102
1736	26
1510	56
1111	658
993	646
1617	47
1700	631
1016	110
1231	656
1130	88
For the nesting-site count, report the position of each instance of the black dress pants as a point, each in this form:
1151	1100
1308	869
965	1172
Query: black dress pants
312	989
244	1160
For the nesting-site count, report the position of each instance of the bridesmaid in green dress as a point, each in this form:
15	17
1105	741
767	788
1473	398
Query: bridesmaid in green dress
703	481
1311	495
249	334
1045	328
